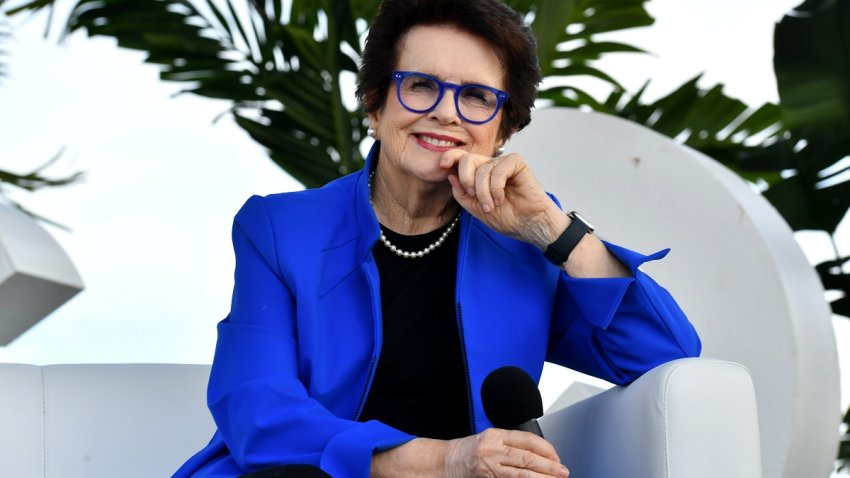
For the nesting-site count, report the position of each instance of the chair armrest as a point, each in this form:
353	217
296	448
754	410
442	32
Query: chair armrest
693	418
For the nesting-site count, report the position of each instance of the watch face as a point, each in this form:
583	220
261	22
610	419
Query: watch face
576	215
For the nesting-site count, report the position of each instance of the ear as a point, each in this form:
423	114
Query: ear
497	150
374	124
500	143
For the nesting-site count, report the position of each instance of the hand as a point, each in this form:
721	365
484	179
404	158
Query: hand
496	453
504	194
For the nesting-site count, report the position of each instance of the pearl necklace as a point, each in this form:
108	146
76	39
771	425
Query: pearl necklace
413	255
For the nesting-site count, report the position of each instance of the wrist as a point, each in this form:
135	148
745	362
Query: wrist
548	228
420	457
453	453
559	251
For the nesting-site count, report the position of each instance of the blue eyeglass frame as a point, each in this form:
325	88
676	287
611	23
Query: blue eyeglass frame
399	76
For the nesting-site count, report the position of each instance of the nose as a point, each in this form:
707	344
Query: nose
446	112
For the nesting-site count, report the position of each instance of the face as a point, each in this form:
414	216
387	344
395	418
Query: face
412	143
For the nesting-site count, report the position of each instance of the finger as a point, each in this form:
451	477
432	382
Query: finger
521	473
450	158
499	178
482	185
529	461
457	158
466	171
466	201
531	442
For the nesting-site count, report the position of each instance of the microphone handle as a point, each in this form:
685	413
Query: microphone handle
530	426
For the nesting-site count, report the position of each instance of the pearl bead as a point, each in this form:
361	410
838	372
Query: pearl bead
417	254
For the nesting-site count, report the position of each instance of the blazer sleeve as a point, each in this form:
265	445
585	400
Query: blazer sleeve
262	409
619	328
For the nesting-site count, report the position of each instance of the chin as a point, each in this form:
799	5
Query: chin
438	176
430	174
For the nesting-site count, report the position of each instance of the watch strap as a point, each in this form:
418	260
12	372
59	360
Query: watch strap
559	251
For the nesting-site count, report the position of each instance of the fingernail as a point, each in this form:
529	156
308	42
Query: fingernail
470	192
486	207
564	472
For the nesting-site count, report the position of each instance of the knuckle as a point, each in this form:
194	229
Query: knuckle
526	458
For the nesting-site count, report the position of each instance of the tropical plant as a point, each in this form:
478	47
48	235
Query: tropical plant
812	64
35	179
283	69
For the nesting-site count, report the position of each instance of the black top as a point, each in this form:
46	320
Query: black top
420	382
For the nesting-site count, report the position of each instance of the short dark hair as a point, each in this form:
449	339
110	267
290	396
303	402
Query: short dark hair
490	20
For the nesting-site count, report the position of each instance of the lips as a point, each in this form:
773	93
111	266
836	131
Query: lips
439	141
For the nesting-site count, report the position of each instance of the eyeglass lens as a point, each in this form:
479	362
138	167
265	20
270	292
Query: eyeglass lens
474	103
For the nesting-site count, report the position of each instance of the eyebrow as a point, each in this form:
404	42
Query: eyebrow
482	83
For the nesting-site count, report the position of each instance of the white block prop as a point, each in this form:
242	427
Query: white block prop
735	267
36	276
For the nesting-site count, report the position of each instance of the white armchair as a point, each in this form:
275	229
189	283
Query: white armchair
691	418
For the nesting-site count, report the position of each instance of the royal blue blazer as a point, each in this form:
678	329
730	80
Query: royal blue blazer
296	355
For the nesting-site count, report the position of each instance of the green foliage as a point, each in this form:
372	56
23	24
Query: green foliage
812	64
282	70
567	33
843	461
33	181
707	120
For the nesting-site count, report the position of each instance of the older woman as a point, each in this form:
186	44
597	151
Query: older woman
367	313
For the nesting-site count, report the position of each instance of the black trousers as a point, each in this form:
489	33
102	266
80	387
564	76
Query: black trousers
289	471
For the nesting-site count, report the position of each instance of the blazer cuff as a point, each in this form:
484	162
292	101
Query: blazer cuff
597	299
350	453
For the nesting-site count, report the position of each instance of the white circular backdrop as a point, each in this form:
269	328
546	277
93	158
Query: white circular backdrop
735	267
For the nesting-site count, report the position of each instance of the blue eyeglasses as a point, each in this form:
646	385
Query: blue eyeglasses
421	93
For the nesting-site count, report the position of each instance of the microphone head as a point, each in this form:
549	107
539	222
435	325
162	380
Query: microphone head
510	397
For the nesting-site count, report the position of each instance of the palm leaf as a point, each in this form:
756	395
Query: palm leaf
724	128
566	35
33	181
280	72
282	69
814	75
812	64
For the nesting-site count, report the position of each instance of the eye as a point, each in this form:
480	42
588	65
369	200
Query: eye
478	96
420	84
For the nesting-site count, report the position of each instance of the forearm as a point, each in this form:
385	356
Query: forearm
589	259
418	458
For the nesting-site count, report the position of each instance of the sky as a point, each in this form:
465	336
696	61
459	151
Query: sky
150	223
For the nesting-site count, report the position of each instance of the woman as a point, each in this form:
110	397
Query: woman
367	313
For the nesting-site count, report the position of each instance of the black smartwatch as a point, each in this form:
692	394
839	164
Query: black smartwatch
560	250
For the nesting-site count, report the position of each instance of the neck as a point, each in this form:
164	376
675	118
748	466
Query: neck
412	208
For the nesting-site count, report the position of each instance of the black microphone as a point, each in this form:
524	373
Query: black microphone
511	400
